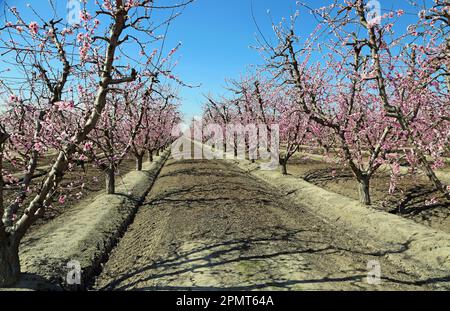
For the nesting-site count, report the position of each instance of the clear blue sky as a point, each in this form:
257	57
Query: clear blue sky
216	37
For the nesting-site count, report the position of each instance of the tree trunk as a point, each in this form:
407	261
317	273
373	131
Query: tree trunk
398	114
9	264
157	152
431	174
110	181
150	156
364	190
284	167
139	160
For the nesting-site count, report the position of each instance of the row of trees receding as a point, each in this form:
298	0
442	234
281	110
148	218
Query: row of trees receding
354	87
93	92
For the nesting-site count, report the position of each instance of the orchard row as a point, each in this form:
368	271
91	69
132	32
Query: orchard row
373	94
97	91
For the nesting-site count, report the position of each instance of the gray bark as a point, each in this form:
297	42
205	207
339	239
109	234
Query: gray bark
9	263
110	181
364	190
139	160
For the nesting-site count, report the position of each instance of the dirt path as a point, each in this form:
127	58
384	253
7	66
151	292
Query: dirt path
209	225
87	232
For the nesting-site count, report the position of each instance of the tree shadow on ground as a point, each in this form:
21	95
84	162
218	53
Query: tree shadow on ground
254	254
262	258
323	176
34	282
416	201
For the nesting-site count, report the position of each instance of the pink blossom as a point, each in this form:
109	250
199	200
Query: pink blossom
65	105
83	158
38	146
68	31
130	4
87	146
13	98
107	5
80	37
62	199
34	28
85	16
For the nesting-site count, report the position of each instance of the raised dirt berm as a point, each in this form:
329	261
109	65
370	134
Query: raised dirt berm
444	176
85	234
415	247
420	250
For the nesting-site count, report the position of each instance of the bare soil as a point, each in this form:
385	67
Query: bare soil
415	197
209	225
78	185
86	233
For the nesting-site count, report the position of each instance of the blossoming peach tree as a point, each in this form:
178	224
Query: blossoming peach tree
48	108
381	96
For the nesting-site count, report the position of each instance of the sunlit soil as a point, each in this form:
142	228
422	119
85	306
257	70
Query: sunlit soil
78	185
414	197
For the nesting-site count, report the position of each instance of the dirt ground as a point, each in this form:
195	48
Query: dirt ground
208	225
414	199
94	183
86	233
78	184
